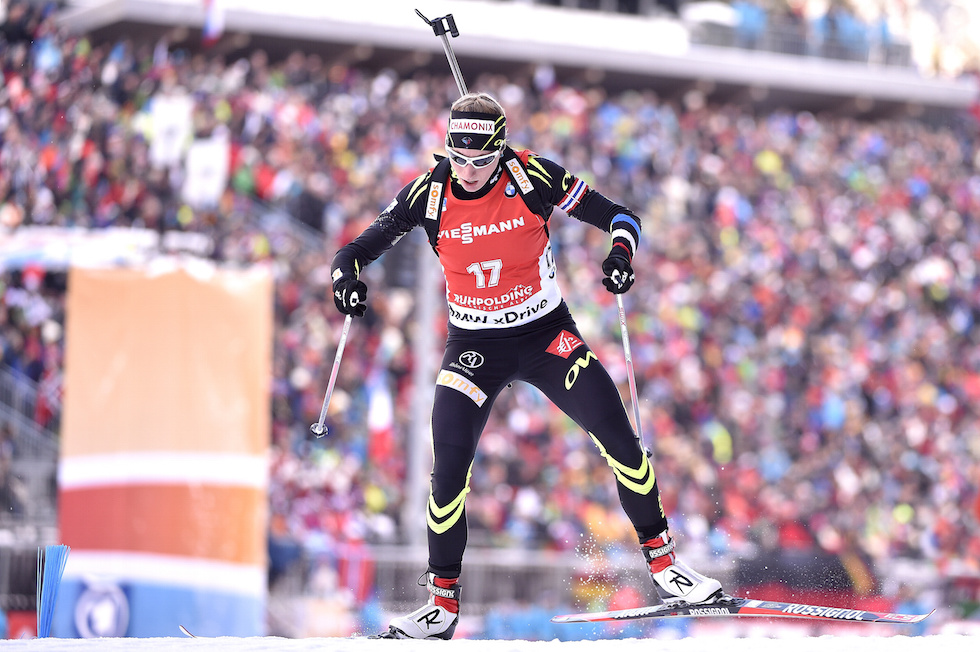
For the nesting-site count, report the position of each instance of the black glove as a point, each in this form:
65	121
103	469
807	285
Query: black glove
618	271
350	296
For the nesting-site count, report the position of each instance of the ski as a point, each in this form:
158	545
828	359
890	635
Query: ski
736	606
185	631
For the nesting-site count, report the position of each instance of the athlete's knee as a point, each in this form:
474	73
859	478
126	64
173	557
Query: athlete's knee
447	501
632	467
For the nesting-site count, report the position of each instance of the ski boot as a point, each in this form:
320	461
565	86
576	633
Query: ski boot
675	578
435	619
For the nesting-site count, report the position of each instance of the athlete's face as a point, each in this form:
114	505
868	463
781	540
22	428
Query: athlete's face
473	178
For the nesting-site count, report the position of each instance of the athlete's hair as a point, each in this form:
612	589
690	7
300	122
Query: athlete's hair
479	103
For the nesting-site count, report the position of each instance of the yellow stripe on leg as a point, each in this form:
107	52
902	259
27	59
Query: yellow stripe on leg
441	519
639	480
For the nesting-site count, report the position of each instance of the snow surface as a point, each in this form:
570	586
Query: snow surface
937	643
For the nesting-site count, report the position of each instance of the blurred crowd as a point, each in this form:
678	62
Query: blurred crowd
803	322
939	37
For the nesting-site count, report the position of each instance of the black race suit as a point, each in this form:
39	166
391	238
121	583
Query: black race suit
508	322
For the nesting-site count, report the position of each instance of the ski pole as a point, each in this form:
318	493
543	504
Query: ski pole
629	366
439	26
318	428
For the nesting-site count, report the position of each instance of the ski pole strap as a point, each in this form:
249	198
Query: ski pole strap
653	553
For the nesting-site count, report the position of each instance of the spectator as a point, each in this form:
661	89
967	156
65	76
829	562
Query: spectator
751	25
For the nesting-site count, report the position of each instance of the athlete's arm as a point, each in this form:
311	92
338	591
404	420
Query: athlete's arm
401	216
561	188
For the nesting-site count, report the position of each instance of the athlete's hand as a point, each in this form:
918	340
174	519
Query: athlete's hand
618	271
350	296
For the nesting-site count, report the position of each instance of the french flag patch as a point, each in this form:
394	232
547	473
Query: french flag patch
573	196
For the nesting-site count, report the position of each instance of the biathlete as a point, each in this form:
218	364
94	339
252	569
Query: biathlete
486	209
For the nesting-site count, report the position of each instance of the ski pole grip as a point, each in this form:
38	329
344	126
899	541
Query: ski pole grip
440	25
451	24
